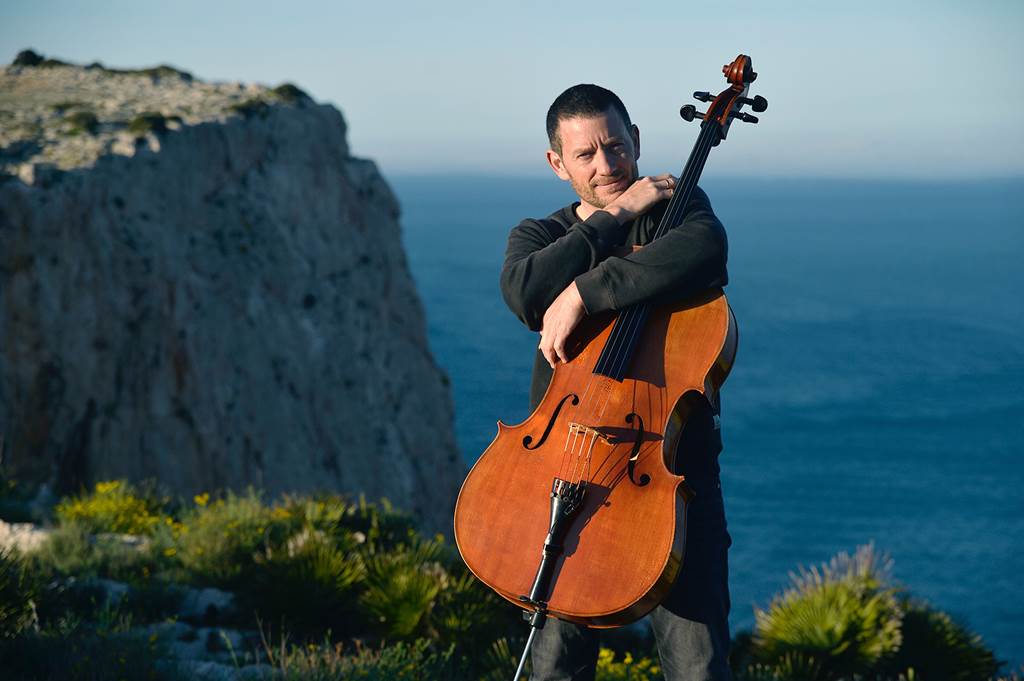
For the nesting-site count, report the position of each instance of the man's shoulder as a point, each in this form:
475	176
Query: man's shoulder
554	225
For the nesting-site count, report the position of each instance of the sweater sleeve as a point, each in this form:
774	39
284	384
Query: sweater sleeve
689	259
539	265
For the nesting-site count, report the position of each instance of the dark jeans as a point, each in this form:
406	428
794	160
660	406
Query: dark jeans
692	624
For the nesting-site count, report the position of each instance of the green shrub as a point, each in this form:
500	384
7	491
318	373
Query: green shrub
401	587
378	527
939	649
71	550
218	542
81	653
469	613
66	105
17	591
383	526
87	603
251	107
155	73
320	512
83	121
146	122
792	666
290	93
114	506
30	58
832	622
415	661
311	585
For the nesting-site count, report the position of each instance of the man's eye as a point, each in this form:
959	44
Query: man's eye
587	154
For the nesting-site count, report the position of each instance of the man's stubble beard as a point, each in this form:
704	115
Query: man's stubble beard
588	194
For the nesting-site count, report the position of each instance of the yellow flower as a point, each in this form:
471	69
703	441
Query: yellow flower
107	487
201	499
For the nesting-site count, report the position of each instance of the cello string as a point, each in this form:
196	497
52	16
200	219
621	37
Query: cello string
625	331
622	332
634	320
626	328
674	214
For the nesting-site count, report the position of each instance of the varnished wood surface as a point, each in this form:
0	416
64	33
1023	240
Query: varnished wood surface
626	545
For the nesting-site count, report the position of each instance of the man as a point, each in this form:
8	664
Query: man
559	269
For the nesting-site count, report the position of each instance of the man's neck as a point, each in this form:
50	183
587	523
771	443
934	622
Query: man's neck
585	210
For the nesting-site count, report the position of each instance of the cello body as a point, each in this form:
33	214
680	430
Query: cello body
622	549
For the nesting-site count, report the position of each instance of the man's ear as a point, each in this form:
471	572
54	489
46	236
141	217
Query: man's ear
635	132
555	161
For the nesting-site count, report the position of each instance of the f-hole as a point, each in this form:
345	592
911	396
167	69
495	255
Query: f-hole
551	423
635	454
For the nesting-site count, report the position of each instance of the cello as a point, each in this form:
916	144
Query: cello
575	512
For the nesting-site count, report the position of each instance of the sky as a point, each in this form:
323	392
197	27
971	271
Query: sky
929	90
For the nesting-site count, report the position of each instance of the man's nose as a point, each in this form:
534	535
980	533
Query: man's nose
605	163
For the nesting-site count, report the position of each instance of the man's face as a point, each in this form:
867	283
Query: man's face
598	156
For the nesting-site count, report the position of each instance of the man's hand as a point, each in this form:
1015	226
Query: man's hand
640	196
559	321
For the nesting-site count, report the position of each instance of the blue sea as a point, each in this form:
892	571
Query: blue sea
878	393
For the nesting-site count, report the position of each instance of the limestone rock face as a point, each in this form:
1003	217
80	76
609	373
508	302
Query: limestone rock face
213	304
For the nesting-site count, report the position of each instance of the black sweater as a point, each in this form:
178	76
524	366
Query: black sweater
545	256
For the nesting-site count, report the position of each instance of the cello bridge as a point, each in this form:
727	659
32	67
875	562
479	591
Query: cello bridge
583	430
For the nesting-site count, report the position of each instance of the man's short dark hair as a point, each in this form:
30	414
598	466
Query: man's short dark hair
585	99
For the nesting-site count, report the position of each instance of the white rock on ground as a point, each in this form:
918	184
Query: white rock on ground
24	537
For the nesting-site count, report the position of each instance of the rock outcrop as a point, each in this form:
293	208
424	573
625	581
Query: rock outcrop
199	285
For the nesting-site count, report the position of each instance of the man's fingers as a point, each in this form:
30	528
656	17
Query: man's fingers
545	349
553	352
560	350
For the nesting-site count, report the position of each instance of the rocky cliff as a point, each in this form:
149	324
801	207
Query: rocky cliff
199	285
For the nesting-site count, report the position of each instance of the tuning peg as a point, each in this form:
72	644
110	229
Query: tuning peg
745	117
703	96
689	112
758	103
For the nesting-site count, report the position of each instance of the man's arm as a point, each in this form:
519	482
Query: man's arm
689	259
539	266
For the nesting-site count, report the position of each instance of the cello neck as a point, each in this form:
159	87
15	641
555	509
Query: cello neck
618	351
708	137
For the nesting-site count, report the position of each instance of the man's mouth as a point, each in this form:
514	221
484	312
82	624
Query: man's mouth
613	185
